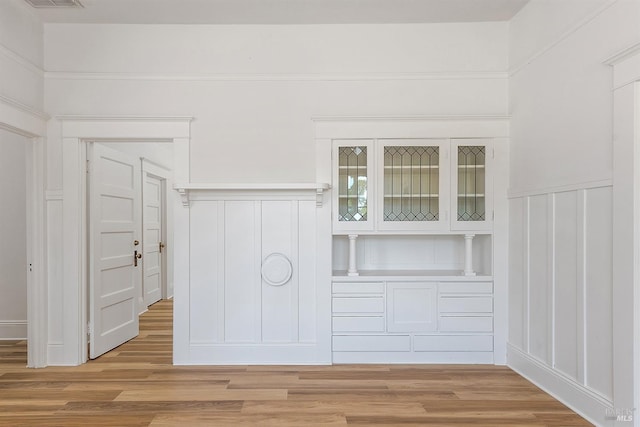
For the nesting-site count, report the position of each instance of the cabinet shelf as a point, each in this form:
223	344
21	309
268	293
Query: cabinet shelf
408	275
471	195
471	166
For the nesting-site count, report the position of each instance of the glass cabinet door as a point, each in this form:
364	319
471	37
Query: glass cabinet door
412	180
354	182
471	184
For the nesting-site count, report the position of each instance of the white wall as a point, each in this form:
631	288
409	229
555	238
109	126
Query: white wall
561	221
13	236
21	55
253	91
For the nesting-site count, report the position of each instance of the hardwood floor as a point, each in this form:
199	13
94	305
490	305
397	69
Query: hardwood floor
136	385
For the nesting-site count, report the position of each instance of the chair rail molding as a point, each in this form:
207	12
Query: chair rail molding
251	191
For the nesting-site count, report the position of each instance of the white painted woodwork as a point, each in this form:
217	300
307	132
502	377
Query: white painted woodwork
468	255
153	218
356	288
115	274
453	343
358	324
561	293
352	270
255	262
412	307
377	343
466	323
465	304
358	305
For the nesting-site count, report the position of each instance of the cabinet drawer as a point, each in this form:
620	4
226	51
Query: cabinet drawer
466	324
466	287
466	304
358	305
372	343
358	324
358	288
453	343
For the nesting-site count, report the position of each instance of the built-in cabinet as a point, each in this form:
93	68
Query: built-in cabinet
412	319
416	185
413	242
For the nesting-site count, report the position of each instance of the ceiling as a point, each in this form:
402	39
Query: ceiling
283	11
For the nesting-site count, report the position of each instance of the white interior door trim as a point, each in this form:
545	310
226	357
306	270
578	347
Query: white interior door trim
77	130
18	119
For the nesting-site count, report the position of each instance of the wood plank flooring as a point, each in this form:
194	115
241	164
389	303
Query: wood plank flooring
136	385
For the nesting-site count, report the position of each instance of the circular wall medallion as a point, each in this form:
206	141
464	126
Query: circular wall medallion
276	269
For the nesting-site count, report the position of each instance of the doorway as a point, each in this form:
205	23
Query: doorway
128	237
14	246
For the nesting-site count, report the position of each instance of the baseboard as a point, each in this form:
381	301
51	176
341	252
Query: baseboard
576	396
13	330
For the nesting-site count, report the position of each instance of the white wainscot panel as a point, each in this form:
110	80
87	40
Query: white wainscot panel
599	325
205	259
307	273
539	286
279	301
54	279
566	283
242	285
517	293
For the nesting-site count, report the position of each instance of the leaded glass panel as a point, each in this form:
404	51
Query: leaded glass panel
352	183
471	183
411	183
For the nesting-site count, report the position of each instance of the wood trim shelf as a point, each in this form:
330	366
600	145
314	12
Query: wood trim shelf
190	190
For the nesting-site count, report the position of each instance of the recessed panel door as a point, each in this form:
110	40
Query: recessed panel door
152	202
114	248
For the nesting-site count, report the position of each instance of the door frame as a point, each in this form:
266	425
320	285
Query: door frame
76	132
149	167
17	118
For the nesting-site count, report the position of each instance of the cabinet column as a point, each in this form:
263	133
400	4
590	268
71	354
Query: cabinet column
468	255
353	269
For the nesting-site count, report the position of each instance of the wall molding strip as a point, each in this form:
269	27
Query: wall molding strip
21	60
24	108
266	77
549	380
518	193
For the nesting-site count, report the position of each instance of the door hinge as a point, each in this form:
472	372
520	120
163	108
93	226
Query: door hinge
87	166
89	329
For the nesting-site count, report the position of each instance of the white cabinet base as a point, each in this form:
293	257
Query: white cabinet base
478	357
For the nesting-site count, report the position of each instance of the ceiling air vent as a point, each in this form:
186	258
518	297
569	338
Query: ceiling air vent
54	3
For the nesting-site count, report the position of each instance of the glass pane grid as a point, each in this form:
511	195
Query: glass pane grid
411	183
471	183
352	184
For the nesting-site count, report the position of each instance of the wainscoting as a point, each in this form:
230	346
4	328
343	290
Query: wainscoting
253	291
560	294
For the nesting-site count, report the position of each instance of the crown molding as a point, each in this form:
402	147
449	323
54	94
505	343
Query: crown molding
623	55
251	77
409	118
572	30
21	60
24	108
77	118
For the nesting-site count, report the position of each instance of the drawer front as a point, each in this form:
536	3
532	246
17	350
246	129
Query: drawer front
372	343
358	324
358	288
453	343
466	304
466	324
466	287
358	305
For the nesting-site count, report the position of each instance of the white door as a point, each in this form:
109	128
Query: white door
152	240
114	248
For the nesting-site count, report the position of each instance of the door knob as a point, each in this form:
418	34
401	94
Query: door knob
161	246
136	257
136	243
